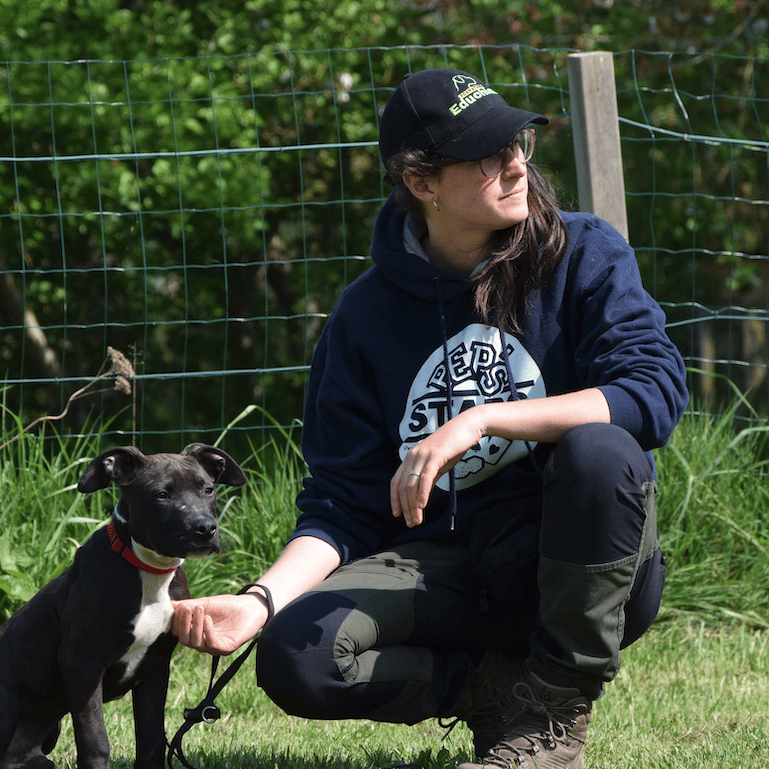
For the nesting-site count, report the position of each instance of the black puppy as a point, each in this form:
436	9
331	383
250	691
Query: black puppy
101	628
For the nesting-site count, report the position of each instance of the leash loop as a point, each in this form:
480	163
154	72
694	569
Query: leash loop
210	713
207	712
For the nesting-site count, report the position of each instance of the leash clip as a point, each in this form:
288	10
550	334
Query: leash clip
215	714
207	712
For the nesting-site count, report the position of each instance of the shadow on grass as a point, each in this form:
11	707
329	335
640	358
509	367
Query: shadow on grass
375	759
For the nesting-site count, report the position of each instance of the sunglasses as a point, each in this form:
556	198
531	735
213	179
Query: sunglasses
521	147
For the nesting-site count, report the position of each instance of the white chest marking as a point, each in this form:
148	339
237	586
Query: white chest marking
153	619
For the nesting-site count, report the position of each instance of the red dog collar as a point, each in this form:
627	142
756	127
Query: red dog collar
123	550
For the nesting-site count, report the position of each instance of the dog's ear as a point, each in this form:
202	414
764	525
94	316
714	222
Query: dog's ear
118	465
217	463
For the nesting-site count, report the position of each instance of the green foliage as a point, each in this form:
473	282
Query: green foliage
714	518
198	181
42	519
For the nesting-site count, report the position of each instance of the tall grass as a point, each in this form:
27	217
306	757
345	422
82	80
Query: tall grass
44	519
713	508
693	692
256	520
714	517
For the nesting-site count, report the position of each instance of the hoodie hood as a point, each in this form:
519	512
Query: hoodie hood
408	271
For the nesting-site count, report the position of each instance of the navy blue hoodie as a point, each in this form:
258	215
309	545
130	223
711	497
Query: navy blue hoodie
379	383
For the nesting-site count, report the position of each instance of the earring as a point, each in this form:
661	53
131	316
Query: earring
435	203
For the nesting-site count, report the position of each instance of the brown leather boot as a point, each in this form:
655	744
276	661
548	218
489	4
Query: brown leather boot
548	731
487	703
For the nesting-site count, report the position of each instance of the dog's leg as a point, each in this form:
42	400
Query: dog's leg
49	743
83	681
91	733
20	743
9	717
149	699
25	752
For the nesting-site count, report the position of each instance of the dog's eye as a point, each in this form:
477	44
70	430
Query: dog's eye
163	494
210	490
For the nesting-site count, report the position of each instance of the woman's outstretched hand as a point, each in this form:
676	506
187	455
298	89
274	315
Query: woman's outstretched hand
218	624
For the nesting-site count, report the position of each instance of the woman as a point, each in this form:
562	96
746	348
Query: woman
478	535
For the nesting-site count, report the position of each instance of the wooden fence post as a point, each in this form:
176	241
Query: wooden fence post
595	127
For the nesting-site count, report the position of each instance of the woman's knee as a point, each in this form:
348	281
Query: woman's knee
295	665
596	486
600	453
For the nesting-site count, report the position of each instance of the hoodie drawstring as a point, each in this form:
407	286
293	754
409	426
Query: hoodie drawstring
450	395
450	400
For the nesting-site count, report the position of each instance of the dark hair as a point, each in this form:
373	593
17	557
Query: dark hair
522	257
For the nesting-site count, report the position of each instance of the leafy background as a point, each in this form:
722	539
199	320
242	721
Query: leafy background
193	183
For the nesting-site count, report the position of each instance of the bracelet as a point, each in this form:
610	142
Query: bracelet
265	597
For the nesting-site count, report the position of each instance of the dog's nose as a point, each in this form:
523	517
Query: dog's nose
205	529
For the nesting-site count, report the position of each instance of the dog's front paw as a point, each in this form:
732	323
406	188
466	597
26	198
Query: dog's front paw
31	761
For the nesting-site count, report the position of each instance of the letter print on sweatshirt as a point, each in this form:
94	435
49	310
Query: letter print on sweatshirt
478	374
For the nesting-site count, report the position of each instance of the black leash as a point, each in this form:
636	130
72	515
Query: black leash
207	711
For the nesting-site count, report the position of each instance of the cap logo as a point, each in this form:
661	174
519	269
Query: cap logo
469	90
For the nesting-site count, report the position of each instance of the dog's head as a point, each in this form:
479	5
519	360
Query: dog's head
168	501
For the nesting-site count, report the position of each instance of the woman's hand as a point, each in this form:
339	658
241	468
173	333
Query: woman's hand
218	624
543	420
428	460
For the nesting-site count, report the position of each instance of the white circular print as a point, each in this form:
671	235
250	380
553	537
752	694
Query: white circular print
478	375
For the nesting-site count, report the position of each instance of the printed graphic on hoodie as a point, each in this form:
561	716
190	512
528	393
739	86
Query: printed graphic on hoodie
478	375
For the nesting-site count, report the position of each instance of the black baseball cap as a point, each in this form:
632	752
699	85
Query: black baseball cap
449	113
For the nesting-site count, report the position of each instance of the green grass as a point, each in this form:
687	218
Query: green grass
713	509
688	696
692	693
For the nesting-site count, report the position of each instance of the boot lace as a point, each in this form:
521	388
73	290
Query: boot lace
493	706
537	725
493	710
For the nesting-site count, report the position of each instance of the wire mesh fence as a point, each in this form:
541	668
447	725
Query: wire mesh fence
202	215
